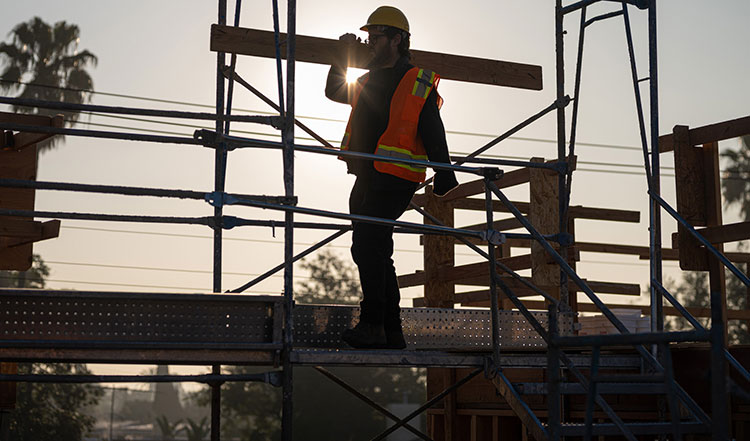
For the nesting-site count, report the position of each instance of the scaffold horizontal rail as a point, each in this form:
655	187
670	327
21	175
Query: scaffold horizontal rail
274	121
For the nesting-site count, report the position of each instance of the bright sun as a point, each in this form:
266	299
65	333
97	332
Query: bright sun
353	73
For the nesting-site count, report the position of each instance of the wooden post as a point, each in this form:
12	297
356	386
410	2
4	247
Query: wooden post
16	165
544	216
438	254
714	218
717	277
691	190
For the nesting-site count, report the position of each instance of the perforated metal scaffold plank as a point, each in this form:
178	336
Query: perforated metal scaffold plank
138	327
243	329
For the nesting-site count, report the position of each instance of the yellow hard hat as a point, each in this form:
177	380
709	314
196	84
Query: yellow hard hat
387	16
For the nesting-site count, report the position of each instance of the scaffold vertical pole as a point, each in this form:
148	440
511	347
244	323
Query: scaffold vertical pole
288	140
561	156
553	376
220	168
655	252
495	314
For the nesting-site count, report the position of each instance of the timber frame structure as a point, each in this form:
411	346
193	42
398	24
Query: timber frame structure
273	331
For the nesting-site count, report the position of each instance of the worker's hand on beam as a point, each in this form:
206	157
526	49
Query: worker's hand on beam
343	57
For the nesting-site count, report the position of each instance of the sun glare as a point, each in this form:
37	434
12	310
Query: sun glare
353	73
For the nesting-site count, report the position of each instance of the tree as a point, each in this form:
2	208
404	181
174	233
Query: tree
167	429
332	281
736	185
196	431
53	411
34	277
44	410
43	62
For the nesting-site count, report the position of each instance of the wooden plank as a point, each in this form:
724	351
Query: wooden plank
720	234
710	133
19	228
25	119
735	314
544	215
457	274
327	51
576	211
510	179
506	224
22	140
438	255
48	230
628	289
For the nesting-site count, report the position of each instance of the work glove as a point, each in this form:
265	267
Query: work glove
444	182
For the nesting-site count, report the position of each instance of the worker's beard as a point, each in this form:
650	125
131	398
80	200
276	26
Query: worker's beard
381	57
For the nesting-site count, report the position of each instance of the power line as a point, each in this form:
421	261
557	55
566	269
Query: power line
185	103
484	135
178	270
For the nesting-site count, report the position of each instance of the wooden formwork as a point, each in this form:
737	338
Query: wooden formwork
476	411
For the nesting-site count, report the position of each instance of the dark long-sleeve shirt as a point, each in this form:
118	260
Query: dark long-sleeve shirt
370	117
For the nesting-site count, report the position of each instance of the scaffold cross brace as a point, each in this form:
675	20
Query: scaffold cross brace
494	237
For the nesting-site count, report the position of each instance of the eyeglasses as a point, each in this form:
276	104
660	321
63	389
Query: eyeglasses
373	38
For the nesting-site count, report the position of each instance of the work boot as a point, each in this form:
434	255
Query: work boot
365	336
395	339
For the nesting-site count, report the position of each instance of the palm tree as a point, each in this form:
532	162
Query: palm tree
196	431
737	186
43	62
168	430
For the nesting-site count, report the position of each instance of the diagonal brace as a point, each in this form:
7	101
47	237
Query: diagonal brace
429	404
370	402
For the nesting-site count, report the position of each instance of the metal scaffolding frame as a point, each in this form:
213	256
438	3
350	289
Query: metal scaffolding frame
652	347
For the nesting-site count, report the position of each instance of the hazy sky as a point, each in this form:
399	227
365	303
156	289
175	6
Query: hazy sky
160	50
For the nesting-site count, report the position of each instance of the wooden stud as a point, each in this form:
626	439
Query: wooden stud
17	165
439	255
8	388
691	198
260	43
544	216
717	277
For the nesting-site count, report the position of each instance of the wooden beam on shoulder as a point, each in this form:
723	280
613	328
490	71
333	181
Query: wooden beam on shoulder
260	43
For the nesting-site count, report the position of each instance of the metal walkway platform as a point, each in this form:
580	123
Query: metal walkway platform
92	327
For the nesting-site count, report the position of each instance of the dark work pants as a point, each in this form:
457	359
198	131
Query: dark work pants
384	196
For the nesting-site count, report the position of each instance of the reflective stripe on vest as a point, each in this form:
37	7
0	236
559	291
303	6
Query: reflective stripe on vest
401	138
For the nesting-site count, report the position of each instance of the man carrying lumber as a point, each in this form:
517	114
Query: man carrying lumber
394	114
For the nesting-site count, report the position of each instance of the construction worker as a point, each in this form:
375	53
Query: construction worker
394	114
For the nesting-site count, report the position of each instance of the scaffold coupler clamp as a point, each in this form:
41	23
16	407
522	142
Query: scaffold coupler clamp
563	102
490	368
492	173
209	138
494	237
564	239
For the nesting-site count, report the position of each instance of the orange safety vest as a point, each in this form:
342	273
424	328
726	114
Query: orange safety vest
401	138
